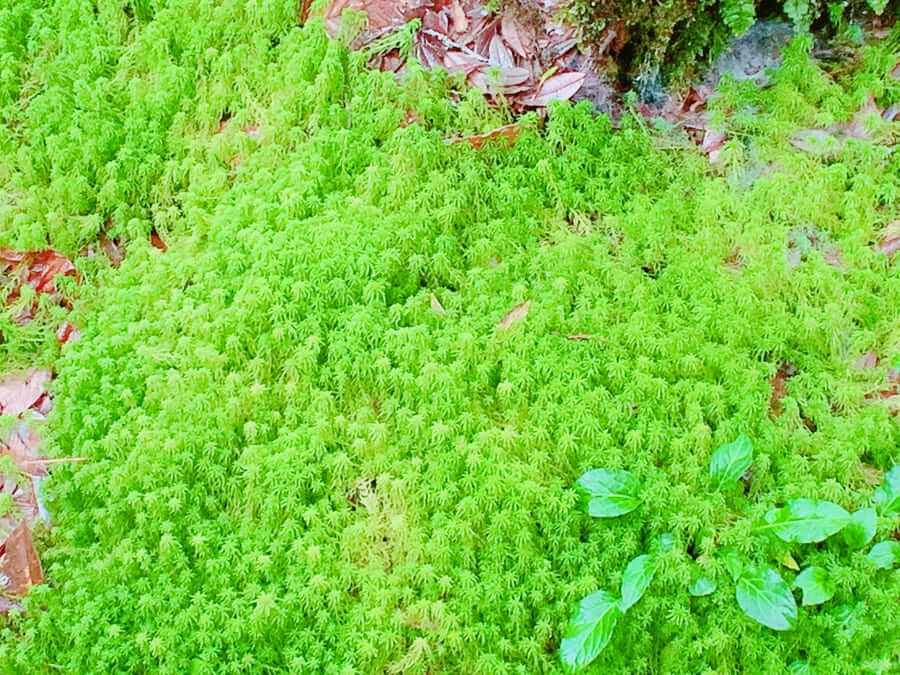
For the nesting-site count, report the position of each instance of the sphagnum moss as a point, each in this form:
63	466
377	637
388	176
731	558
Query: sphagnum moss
298	465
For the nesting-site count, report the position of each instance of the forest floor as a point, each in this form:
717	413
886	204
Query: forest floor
316	337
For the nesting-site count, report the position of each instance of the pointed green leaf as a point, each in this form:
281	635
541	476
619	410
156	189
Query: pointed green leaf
885	554
734	562
815	584
666	542
611	493
636	580
766	597
729	462
861	528
590	629
800	668
703	586
887	496
805	521
846	616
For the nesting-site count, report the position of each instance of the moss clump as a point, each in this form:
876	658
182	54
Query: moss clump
298	465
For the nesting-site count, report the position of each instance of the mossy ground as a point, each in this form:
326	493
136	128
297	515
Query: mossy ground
297	464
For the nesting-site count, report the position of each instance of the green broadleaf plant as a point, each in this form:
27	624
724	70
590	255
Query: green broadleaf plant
590	629
702	586
806	521
887	496
815	584
611	493
885	554
729	462
766	597
861	528
636	579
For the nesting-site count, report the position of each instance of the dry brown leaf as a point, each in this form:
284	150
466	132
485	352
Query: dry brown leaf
867	360
871	475
514	34
514	315
857	128
779	388
581	336
20	391
436	305
460	20
22	445
735	260
67	333
890	239
20	567
509	131
157	242
559	87
113	251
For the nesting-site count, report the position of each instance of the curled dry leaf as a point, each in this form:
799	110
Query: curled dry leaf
858	126
712	144
38	269
112	249
67	333
779	388
22	445
890	239
581	336
436	305
734	260
157	242
20	568
514	315
868	360
515	35
560	87
21	391
509	131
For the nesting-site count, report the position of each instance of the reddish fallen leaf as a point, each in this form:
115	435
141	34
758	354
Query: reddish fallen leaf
515	35
20	567
113	251
779	388
800	242
514	315
20	391
223	121
560	87
712	144
890	239
22	445
409	118
868	360
23	498
7	605
734	260
858	126
460	19
67	333
38	269
157	242
509	131
303	14
895	72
